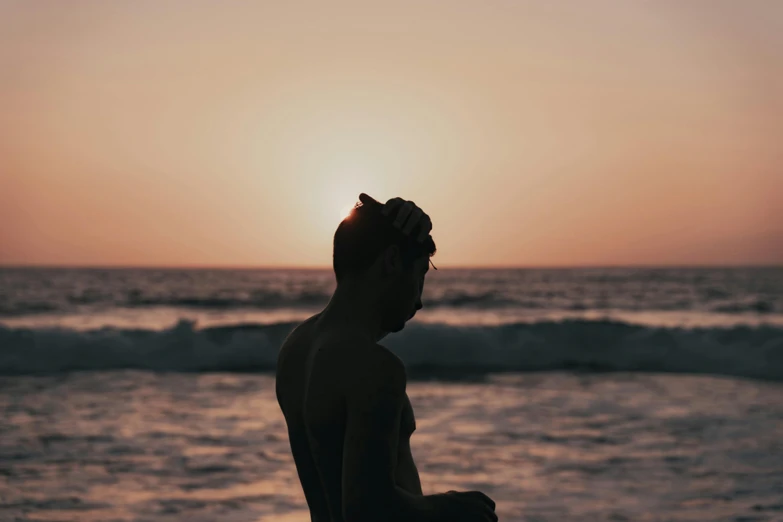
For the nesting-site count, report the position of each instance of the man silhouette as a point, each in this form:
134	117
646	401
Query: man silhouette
343	395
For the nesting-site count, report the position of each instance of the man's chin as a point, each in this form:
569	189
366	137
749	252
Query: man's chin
397	328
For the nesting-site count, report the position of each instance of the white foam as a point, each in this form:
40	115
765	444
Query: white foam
426	348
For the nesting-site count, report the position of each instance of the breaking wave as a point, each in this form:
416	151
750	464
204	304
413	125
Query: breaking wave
429	350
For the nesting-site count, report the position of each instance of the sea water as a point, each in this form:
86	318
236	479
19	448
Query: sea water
591	394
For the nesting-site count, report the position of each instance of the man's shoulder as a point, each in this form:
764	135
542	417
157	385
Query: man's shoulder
295	341
366	364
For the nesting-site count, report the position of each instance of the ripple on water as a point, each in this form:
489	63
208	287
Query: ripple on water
546	447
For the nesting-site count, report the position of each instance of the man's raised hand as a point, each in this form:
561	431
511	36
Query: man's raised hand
408	216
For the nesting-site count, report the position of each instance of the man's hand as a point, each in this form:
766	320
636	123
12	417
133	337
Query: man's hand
471	506
409	216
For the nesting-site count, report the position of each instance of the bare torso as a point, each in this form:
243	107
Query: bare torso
312	401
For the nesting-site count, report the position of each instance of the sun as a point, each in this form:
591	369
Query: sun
346	211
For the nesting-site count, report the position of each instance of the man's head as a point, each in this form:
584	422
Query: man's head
367	246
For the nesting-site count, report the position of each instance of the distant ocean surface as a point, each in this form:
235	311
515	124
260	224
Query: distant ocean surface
585	395
717	321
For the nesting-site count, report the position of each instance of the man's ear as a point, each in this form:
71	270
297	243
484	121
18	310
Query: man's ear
392	260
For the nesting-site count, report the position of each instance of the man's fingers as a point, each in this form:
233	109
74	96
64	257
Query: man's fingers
408	217
481	496
493	517
426	227
490	515
413	220
403	214
365	199
390	205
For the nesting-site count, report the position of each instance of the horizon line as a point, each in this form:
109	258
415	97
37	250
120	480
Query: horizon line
328	267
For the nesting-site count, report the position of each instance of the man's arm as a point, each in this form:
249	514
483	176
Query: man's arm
374	404
407	475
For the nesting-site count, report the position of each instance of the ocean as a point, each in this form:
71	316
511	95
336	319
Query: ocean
639	394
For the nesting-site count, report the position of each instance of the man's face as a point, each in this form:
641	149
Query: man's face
403	299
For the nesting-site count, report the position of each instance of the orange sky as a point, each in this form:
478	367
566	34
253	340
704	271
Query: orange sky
534	133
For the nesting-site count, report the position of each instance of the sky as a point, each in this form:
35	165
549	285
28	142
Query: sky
548	133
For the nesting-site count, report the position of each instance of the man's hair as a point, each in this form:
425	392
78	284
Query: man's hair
365	233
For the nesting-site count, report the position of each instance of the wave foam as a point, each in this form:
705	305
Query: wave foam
427	349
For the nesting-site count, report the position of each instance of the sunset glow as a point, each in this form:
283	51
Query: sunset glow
346	211
534	133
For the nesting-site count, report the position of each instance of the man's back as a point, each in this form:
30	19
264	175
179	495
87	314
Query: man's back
315	366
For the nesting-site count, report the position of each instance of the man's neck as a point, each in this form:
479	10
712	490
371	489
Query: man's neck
354	305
